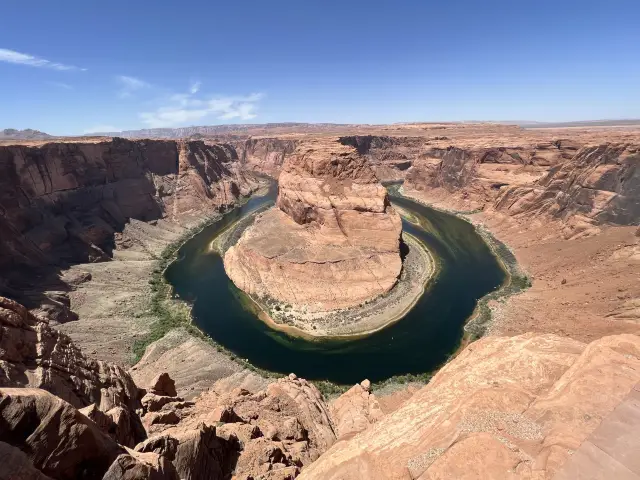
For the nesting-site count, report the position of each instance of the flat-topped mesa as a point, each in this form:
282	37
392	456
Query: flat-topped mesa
333	241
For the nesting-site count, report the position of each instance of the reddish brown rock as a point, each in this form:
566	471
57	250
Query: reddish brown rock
141	466
59	441
163	385
504	408
32	354
265	155
273	432
355	410
600	183
332	242
15	465
67	202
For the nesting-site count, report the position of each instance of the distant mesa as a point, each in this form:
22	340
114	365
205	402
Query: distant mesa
26	134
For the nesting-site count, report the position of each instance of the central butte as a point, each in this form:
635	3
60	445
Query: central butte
332	242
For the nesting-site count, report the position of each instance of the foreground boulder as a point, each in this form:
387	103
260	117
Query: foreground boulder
271	433
504	408
32	354
333	240
59	441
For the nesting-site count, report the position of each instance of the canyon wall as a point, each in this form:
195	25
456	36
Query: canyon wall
265	155
601	183
65	203
560	177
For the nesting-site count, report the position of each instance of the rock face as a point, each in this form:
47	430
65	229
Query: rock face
68	199
504	408
591	184
32	354
355	410
59	441
272	433
64	203
332	241
601	183
473	177
265	155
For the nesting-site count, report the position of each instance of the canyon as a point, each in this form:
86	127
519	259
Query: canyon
86	223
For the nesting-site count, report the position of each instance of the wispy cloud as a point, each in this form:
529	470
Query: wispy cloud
101	129
11	56
65	86
186	108
195	88
129	85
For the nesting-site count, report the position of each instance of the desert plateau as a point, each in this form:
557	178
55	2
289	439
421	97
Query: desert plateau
320	240
106	345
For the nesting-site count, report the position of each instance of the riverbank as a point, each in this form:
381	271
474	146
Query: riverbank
516	280
128	314
579	286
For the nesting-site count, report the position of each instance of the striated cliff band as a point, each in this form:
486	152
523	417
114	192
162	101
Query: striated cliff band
331	243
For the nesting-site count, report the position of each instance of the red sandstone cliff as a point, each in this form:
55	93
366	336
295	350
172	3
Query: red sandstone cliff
63	203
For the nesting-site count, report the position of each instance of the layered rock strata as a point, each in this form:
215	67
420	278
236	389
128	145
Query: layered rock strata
265	155
64	203
332	241
592	184
67	200
32	354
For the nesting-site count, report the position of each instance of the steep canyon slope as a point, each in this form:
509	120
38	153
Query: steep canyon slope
514	407
66	203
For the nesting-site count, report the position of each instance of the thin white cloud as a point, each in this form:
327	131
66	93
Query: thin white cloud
65	86
101	129
195	88
11	56
129	85
184	108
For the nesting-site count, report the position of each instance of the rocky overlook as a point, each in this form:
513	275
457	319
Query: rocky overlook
331	242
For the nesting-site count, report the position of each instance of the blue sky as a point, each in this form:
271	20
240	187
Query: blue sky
70	67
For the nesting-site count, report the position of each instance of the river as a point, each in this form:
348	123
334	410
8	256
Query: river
418	343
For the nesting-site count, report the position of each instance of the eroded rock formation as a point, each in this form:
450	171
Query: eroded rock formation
266	155
593	185
504	408
600	183
32	354
63	203
271	433
332	241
